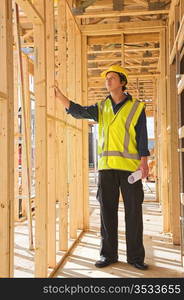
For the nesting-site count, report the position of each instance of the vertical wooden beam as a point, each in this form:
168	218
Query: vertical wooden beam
72	141
41	208
122	50
163	141
73	187
25	152
174	190
51	133
61	165
85	159
78	71
181	9
71	67
26	160
156	138
6	140
159	137
16	137
61	180
80	201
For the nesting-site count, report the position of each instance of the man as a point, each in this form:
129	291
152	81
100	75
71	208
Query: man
122	149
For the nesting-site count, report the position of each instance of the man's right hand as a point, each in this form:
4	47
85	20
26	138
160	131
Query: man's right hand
57	91
58	94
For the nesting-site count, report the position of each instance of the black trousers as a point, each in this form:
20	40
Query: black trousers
110	183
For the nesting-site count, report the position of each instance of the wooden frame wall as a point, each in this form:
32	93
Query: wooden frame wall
62	142
61	202
59	129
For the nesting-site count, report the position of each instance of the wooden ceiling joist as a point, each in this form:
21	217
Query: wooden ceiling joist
118	32
126	27
113	13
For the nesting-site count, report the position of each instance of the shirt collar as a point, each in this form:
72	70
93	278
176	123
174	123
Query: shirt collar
128	97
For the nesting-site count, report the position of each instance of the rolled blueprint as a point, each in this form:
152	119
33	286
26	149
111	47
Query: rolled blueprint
135	176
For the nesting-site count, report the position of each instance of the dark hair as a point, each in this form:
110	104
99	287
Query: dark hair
123	78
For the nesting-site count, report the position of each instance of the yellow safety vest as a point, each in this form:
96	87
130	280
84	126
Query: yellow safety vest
117	146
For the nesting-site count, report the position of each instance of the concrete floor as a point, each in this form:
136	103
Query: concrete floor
163	258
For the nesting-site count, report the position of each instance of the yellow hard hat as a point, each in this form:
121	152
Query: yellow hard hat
114	68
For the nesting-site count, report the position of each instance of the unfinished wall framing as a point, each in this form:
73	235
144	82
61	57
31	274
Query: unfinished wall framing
58	213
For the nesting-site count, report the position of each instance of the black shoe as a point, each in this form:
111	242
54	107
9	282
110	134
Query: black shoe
141	266
103	262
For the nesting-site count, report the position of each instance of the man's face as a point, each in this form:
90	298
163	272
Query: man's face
113	82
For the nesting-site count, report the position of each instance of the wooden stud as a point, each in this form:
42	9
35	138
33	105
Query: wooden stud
62	196
163	137
24	178
25	131
16	137
78	95
158	142
156	139
72	136
85	159
122	50
73	219
41	207
6	141
61	153
51	132
173	155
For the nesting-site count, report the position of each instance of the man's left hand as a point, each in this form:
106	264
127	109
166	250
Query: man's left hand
144	167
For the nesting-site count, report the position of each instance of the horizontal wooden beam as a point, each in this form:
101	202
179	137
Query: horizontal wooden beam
125	27
126	49
128	38
129	58
126	66
31	12
130	76
108	59
113	13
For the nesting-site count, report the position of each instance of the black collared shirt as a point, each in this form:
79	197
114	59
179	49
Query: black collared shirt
91	112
